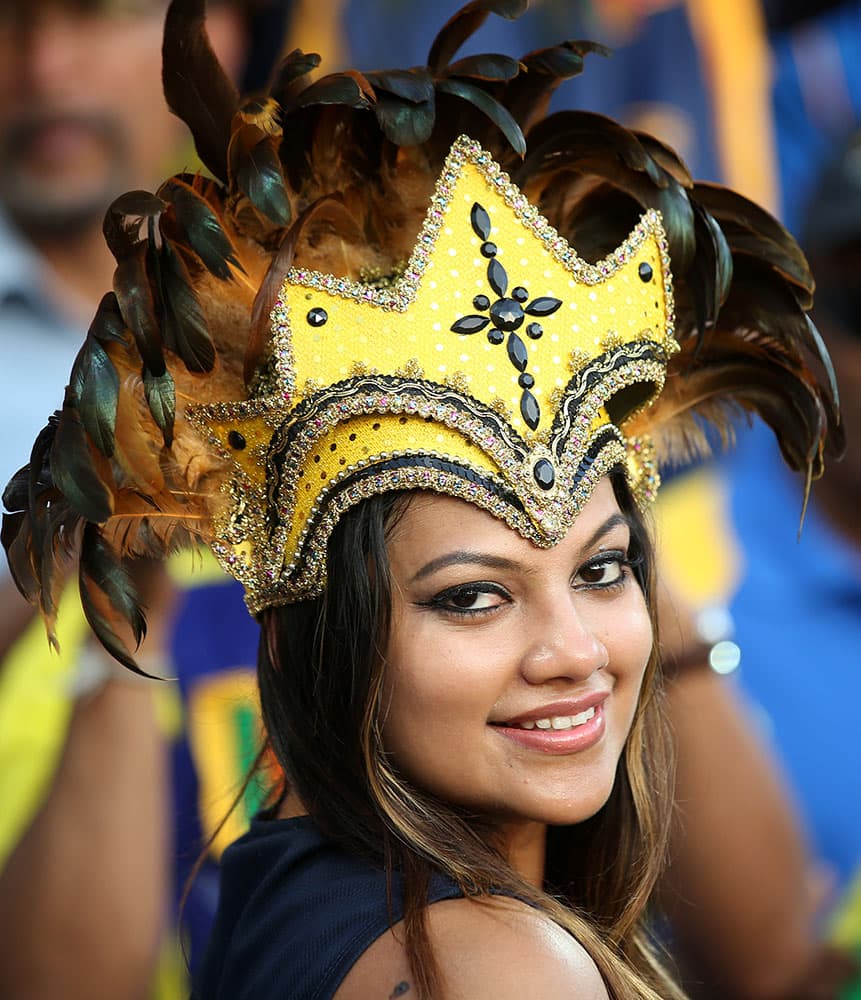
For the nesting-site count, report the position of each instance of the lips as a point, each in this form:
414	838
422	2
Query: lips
558	715
557	722
566	727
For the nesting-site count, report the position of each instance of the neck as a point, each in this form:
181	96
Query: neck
525	846
291	806
82	268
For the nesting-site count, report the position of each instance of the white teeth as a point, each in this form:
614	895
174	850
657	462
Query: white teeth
560	721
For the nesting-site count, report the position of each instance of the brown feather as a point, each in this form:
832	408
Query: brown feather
196	87
337	177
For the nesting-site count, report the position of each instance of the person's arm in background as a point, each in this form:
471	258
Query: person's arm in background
742	892
82	896
15	615
83	893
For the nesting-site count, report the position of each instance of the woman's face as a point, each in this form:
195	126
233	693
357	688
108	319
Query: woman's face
513	672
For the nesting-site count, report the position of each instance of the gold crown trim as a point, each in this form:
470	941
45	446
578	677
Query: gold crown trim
534	470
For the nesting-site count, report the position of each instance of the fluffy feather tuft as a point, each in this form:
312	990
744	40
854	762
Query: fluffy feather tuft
336	175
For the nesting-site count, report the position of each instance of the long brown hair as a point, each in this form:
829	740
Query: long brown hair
321	674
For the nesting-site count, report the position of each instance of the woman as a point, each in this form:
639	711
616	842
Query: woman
477	690
371	371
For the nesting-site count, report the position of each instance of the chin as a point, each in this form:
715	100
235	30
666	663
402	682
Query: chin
576	812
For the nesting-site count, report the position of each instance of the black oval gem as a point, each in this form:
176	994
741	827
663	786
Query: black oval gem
497	277
517	352
495	336
543	306
488	249
526	381
645	271
506	314
534	330
470	324
520	294
236	440
529	409
480	221
480	302
317	316
544	473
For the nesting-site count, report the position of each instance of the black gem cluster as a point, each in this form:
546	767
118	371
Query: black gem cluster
505	316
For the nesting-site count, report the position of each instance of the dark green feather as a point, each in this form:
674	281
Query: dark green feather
81	474
575	136
199	226
729	205
13	537
404	122
338	88
137	307
95	387
39	472
160	393
528	94
464	23
107	591
294	66
196	87
121	226
489	66
259	176
499	115
413	85
108	326
183	320
667	159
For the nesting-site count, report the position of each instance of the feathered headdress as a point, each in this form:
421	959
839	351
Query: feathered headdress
379	290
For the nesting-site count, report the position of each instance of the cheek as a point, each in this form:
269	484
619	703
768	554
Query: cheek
423	693
630	640
435	692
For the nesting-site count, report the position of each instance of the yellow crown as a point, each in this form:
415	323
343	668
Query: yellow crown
499	368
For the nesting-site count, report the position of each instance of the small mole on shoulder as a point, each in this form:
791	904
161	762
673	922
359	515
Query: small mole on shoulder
400	990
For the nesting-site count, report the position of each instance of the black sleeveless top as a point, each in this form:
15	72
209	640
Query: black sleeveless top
295	912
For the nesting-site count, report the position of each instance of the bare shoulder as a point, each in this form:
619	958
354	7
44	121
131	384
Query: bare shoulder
485	949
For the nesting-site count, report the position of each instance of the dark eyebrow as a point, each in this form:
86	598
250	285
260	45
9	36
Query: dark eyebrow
461	557
467	556
613	521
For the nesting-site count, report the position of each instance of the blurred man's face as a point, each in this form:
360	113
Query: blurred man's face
82	117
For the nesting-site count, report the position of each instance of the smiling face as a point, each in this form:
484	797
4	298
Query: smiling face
513	672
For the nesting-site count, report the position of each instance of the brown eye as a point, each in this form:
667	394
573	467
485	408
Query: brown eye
465	599
470	599
602	572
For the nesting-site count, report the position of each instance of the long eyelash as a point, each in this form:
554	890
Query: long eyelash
438	601
626	562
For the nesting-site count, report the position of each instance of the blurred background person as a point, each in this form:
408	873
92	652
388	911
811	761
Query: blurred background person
89	757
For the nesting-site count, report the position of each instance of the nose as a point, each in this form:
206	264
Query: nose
562	642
